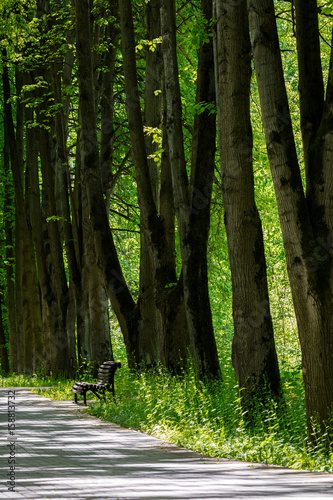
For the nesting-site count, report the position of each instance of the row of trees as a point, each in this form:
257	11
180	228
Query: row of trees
92	88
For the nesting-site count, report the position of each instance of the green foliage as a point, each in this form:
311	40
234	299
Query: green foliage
327	7
207	419
149	44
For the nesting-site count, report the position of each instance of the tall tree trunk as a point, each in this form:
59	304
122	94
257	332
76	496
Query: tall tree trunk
192	214
9	211
31	310
96	341
196	294
4	351
34	210
311	85
116	287
38	230
107	105
254	355
18	254
167	341
62	193
307	239
151	342
58	299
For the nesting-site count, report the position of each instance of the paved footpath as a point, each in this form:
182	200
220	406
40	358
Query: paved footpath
62	453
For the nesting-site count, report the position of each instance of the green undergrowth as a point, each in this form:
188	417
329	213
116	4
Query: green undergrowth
15	380
206	418
47	386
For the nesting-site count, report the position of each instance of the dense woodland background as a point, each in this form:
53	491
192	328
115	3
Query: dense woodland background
166	177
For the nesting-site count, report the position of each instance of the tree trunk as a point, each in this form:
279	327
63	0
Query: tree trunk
9	211
116	287
307	243
151	341
96	341
19	295
4	352
107	105
192	205
311	85
254	355
62	193
163	333
27	277
196	294
34	210
58	297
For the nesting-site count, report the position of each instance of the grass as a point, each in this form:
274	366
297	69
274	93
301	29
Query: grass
205	418
15	380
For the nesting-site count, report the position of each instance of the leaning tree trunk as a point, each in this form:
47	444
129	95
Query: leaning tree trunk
307	239
96	342
254	356
118	292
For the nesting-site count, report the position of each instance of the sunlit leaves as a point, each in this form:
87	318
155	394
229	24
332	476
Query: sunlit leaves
149	44
327	7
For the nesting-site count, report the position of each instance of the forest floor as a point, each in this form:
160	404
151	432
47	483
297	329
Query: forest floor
61	452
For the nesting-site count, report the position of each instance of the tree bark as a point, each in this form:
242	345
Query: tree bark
58	298
34	210
9	211
311	85
26	273
307	244
118	292
254	355
192	204
163	332
63	189
4	352
151	341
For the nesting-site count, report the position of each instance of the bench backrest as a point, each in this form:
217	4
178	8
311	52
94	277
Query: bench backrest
106	372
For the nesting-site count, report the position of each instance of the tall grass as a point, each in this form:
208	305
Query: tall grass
36	380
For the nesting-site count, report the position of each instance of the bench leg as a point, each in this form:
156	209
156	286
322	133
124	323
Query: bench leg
75	397
85	398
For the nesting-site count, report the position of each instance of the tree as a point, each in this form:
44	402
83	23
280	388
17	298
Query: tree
306	220
254	355
10	288
30	352
193	224
163	300
4	352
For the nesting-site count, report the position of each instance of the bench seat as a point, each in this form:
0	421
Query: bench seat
105	382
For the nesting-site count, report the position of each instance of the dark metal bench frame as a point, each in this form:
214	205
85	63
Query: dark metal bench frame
105	382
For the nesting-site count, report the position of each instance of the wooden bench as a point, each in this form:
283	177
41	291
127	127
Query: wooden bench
105	382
